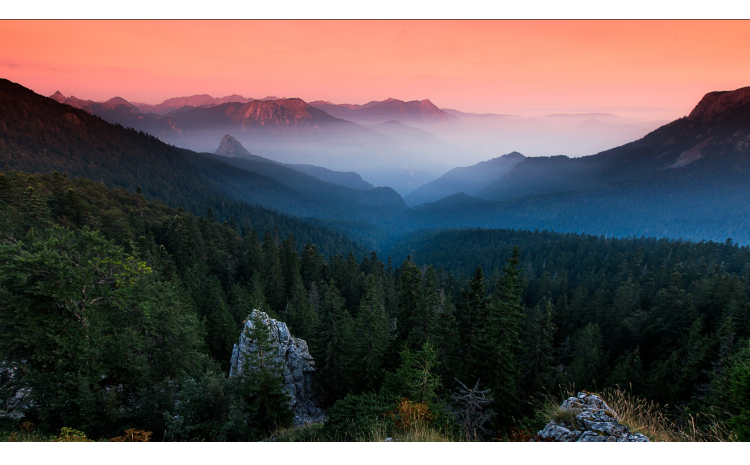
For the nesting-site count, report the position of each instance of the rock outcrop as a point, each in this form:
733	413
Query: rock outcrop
231	147
587	418
298	365
13	400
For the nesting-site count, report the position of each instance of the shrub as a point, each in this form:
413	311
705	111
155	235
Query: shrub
355	417
71	435
133	435
409	415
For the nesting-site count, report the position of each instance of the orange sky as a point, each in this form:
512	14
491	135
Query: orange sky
647	69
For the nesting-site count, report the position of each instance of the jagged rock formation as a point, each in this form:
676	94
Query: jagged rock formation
297	362
231	147
588	419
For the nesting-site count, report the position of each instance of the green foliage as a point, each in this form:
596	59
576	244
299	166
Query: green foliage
738	392
371	328
201	408
355	416
416	378
506	317
333	348
92	326
261	404
125	309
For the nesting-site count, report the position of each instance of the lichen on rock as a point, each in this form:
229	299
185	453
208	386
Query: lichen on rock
590	420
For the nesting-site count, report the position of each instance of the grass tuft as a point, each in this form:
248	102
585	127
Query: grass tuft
650	419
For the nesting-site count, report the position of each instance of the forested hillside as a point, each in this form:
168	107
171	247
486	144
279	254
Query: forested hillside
144	302
41	135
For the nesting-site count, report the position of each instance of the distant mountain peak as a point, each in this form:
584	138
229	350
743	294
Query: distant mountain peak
58	96
118	101
231	147
717	105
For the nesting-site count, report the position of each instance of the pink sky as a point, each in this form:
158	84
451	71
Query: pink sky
645	69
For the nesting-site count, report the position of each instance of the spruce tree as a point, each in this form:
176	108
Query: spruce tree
332	348
539	361
472	321
410	304
371	329
506	318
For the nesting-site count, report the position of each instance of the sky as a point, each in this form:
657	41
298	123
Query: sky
654	70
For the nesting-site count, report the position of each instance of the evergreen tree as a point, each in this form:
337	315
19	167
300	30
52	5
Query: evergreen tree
416	378
472	321
299	313
371	329
94	328
539	371
274	289
410	304
506	317
332	345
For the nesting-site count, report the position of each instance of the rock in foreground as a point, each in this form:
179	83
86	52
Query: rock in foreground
587	418
298	365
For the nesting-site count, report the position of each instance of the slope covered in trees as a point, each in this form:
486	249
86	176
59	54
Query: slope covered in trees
38	134
153	299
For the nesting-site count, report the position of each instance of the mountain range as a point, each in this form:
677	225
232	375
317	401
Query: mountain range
687	179
420	112
401	144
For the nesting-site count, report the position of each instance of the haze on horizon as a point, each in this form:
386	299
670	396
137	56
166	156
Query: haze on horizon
647	73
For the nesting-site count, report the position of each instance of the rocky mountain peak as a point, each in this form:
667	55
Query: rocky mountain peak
58	96
427	104
717	105
119	101
231	147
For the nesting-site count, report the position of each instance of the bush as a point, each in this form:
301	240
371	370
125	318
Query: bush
355	417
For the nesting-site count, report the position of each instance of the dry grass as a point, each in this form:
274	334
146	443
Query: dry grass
648	418
378	432
26	432
562	415
642	416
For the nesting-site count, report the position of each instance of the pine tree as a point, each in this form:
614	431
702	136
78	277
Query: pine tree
332	347
506	317
409	303
371	328
539	361
274	289
472	321
299	313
